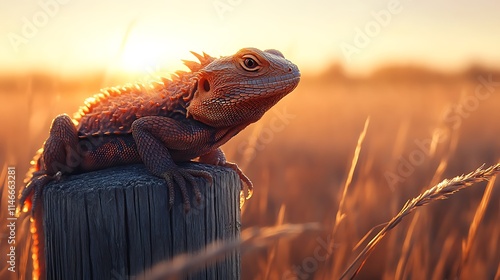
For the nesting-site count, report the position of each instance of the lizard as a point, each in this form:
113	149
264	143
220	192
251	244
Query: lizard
167	122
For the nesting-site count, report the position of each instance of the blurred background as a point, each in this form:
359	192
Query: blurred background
426	73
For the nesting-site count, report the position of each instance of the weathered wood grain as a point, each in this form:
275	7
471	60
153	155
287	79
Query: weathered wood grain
116	223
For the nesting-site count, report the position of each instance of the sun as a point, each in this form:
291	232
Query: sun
143	54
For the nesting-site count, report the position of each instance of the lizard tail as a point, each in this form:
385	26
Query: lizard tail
35	166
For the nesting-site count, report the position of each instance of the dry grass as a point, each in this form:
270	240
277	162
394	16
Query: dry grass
254	238
303	166
474	226
251	239
442	190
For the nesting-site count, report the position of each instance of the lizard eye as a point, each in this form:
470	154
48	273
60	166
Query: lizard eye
250	63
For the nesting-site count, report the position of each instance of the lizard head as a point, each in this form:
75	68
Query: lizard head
237	90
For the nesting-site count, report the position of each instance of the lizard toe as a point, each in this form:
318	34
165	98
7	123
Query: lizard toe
246	181
33	191
181	177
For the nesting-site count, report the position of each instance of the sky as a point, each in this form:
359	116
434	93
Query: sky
72	36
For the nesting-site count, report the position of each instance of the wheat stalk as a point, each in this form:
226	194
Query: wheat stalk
340	215
478	217
272	254
442	190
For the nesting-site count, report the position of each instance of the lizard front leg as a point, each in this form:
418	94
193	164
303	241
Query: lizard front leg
58	152
217	157
158	139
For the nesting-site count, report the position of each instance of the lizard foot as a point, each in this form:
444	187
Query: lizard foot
217	157
242	176
179	177
34	189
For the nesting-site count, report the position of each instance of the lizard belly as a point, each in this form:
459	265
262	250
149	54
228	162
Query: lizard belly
100	152
105	151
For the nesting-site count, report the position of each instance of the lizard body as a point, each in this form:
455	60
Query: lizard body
161	124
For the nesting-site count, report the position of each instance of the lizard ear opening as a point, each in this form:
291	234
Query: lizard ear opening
204	85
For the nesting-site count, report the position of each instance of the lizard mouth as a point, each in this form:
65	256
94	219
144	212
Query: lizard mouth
292	82
268	90
289	82
292	77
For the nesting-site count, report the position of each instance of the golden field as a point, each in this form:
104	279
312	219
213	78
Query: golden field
424	126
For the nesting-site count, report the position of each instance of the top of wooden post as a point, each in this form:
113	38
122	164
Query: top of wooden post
116	223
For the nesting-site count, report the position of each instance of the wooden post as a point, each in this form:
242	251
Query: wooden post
116	223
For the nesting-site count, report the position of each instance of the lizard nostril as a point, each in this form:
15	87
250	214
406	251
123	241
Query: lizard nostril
289	69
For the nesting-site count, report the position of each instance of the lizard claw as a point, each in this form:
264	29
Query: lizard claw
33	191
179	177
217	157
243	178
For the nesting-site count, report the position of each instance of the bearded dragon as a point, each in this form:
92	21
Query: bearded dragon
164	123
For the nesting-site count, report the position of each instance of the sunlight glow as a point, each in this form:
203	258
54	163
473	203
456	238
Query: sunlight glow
154	37
148	56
